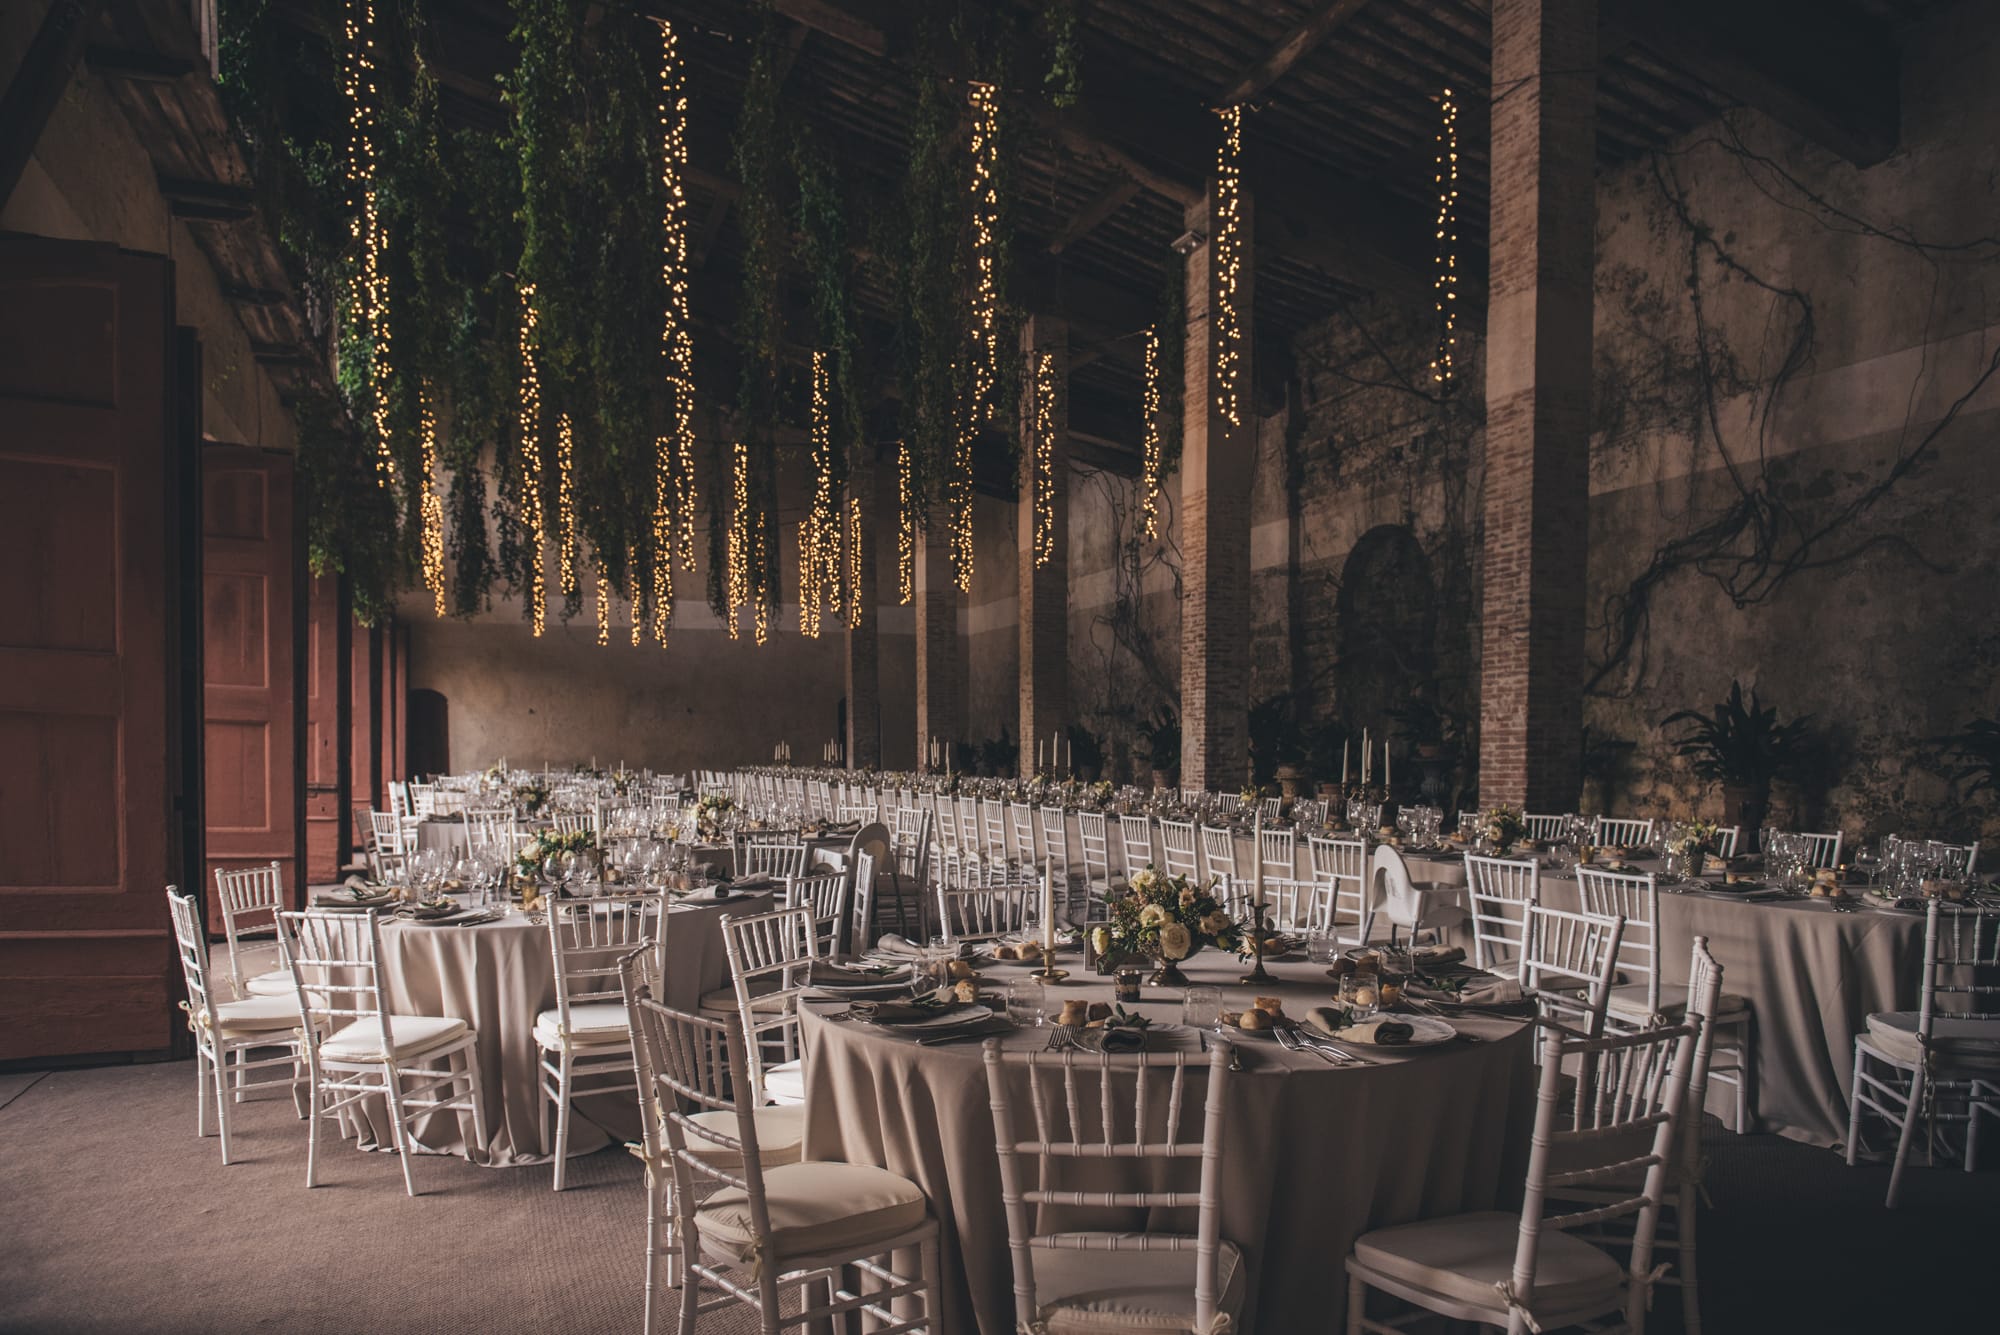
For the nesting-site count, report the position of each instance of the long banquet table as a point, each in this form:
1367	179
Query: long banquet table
1316	1154
498	977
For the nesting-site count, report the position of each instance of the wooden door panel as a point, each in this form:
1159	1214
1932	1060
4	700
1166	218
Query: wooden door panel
251	791
88	585
326	708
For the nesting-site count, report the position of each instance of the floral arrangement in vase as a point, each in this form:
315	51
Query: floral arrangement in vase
548	844
531	796
1504	828
1690	842
1168	919
710	812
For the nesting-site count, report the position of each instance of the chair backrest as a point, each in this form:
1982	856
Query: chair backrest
1961	960
1094	837
251	899
1087	1108
1635	897
1278	851
192	947
490	825
824	895
1296	906
1340	873
574	822
332	956
1227	801
1953	860
861	924
1631	1088
399	799
1180	848
1271	807
770	963
1499	890
1022	817
1055	837
1822	850
986	912
423	800
993	826
776	860
1391	892
387	829
1218	850
1564	953
1545	827
1622	832
1136	833
1726	839
588	938
946	826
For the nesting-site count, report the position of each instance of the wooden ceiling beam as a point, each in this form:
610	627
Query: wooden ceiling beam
1288	50
1087	219
208	201
38	85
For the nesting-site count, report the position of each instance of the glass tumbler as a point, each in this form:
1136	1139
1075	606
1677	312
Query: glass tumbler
1201	1007
1025	1004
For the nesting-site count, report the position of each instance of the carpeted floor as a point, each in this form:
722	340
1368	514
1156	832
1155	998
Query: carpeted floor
114	1218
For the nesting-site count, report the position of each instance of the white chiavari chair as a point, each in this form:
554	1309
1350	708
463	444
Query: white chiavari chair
399	800
770	963
824	895
1678	1203
1226	802
1295	905
423	800
1278	852
1569	962
1180	848
993	827
1527	1271
1643	1000
228	1035
1093	837
1021	819
1271	807
1545	828
777	858
1935	1064
1409	906
748	1229
861	924
1055	847
1953	860
585	1039
574	822
1621	832
356	1049
1340	873
1218	852
1499	890
387	852
987	912
491	825
1726	839
1822	850
251	898
945	824
1135	835
1134	1109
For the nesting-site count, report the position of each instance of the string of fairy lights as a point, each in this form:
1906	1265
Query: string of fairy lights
1043	391
368	284
854	605
906	528
1445	285
820	530
1226	257
603	607
981	406
1149	479
531	462
432	505
566	506
673	532
736	581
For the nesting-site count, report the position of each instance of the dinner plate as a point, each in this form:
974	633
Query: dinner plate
951	1019
862	982
1426	1031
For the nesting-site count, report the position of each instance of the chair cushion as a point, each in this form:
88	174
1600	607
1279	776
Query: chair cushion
1464	1257
814	1208
589	1022
1084	1290
254	1015
1967	1044
786	1082
409	1036
1628	1002
781	1136
276	983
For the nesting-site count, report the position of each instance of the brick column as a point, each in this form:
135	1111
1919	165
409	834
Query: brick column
1216	465
864	683
1044	616
940	689
1537	487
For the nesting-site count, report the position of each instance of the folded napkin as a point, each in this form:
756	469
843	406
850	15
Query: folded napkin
1479	990
1123	1038
759	881
903	948
351	894
1432	957
1381	1030
846	975
900	1012
1327	1020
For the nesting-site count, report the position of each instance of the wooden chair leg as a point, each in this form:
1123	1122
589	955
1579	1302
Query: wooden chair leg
564	1094
1854	1104
403	1135
220	1067
1684	1228
201	1084
1357	1305
1911	1111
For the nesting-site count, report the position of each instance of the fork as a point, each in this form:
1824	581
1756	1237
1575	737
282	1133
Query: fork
1291	1042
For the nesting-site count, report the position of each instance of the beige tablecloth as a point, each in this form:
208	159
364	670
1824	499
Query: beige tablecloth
1316	1154
498	977
1811	976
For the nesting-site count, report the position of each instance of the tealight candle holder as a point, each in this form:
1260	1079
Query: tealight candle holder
1257	974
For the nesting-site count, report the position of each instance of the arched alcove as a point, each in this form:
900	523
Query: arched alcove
1386	624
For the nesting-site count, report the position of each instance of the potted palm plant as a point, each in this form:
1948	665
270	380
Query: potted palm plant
1741	745
1160	738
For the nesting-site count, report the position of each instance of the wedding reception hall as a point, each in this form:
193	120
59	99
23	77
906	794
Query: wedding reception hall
999	667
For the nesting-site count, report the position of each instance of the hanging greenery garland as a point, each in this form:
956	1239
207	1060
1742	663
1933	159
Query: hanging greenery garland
759	325
930	320
1064	80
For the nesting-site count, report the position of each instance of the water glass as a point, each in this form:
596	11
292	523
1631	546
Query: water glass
1025	1004
1201	1007
1322	945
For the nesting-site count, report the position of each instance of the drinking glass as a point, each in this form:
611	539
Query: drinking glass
1322	945
1025	1003
1201	1007
1361	993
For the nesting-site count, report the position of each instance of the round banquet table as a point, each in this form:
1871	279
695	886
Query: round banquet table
1315	1154
498	977
1812	975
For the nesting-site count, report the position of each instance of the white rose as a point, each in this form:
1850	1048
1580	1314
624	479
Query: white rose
1152	916
1175	943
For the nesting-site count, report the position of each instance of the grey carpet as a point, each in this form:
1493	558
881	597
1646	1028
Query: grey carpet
114	1218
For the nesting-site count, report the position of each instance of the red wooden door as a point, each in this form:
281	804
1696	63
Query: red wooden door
89	564
326	670
250	697
364	754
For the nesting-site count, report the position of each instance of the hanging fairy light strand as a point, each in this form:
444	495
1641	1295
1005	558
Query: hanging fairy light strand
1043	389
674	494
368	288
906	529
603	608
853	561
736	586
432	504
1445	285
566	507
1150	480
985	151
820	530
531	462
1226	256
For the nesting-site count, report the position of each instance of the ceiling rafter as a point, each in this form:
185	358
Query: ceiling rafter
1288	50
